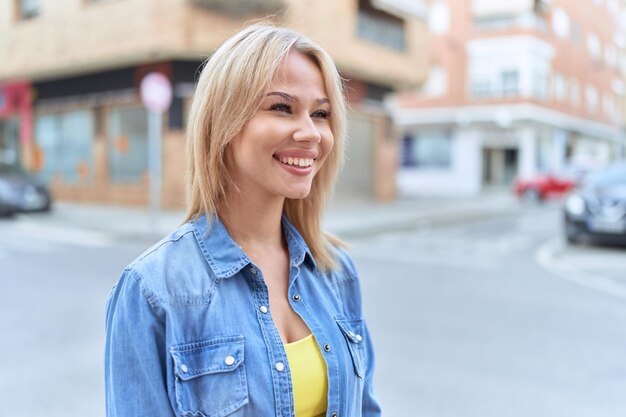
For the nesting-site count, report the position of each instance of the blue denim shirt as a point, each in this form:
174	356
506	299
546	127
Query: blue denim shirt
189	331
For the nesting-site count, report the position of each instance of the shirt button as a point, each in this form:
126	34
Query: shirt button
333	415
358	338
252	270
263	309
229	360
296	297
327	347
279	366
183	368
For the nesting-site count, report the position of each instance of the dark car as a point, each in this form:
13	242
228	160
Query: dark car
21	192
597	210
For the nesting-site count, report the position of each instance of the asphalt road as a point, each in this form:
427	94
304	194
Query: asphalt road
473	320
470	321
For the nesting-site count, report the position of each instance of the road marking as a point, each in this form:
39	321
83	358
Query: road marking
547	259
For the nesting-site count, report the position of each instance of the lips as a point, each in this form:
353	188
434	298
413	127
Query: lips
296	165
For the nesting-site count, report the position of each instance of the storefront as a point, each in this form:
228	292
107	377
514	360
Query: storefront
90	135
15	122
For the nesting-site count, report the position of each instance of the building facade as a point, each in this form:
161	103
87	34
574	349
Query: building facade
70	71
514	88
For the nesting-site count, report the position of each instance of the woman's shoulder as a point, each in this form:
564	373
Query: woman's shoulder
174	266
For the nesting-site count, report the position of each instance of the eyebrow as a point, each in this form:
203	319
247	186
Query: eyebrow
289	97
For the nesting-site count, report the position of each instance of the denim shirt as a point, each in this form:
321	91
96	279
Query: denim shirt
189	331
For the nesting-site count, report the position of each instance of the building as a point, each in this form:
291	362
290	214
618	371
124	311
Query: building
514	88
70	70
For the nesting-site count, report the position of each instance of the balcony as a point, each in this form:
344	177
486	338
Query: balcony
241	8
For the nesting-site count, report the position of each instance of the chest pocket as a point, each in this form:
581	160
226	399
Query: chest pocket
353	332
210	377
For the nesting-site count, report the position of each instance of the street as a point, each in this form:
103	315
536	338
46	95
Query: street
475	319
467	323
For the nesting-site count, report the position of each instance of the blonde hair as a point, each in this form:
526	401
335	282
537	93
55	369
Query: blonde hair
229	92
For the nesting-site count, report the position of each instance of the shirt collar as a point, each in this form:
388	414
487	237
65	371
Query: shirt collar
226	258
298	249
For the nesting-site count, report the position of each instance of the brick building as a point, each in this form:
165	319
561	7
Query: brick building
70	70
514	87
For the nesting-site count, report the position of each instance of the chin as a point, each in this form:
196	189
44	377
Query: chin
298	194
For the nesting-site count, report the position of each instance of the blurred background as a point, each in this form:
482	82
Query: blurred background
484	193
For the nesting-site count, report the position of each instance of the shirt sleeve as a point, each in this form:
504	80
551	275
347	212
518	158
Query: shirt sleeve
135	357
371	405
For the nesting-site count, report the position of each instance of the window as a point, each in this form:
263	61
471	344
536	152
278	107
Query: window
437	82
481	88
609	105
613	6
439	18
28	9
66	142
506	86
560	90
427	149
561	23
593	45
494	22
591	96
9	141
574	93
610	56
577	33
540	84
128	144
380	27
510	83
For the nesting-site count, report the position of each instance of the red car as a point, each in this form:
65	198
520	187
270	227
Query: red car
543	186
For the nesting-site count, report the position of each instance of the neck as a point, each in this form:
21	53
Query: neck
253	222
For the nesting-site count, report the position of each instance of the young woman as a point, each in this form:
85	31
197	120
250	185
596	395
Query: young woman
249	309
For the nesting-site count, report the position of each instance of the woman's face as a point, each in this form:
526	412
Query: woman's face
283	146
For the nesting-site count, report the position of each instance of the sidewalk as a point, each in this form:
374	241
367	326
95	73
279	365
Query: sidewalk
345	218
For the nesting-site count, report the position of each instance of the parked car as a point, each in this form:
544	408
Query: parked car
22	192
549	185
6	208
597	210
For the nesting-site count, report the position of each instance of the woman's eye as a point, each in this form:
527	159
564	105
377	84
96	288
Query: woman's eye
321	114
284	107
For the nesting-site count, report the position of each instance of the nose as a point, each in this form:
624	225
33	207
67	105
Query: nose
307	131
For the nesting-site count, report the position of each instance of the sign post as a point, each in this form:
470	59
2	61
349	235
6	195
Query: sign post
156	95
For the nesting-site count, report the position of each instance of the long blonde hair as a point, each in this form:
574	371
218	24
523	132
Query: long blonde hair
229	92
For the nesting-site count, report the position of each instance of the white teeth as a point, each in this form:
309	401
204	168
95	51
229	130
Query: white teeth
299	162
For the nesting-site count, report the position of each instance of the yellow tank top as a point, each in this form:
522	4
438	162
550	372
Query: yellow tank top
308	377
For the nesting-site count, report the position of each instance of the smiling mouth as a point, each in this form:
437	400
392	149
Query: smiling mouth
296	162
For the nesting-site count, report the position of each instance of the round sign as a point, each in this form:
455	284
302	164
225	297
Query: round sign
156	92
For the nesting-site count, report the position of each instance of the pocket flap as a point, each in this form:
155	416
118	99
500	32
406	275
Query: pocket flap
212	356
352	329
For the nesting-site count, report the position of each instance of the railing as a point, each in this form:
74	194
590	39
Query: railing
384	32
241	8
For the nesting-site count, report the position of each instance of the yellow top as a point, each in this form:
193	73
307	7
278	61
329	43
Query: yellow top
308	377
